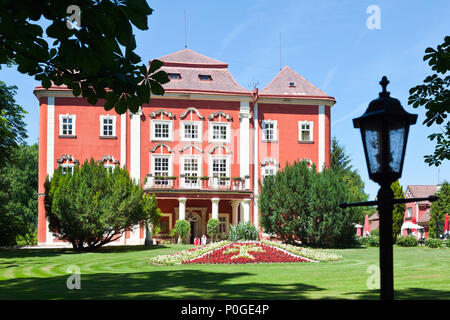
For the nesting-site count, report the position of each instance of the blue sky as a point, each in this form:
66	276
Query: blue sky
327	42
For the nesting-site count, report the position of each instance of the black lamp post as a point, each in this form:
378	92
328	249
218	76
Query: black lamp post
384	132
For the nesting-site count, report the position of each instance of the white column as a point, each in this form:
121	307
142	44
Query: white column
123	139
50	153
215	208
255	165
321	137
182	208
135	146
234	207
244	139
246	206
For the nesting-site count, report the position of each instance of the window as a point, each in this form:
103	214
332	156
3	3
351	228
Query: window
174	76
219	132
67	124
269	130
161	130
161	168
107	126
305	131
191	169
222	224
409	212
219	167
291	84
268	171
67	168
191	131
205	77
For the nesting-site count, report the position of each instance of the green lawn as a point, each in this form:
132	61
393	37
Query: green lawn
124	273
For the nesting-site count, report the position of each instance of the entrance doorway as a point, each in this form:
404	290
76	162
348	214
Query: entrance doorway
194	219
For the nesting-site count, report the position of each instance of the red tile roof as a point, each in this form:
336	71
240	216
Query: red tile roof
421	191
281	85
190	64
425	218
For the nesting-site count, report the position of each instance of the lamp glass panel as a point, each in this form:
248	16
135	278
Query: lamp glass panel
396	144
372	142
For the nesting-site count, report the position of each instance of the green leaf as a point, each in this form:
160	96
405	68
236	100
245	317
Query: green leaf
155	65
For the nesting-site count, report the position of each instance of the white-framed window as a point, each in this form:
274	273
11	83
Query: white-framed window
269	130
191	168
67	168
266	171
67	124
305	131
219	132
161	166
161	130
409	210
219	171
223	223
191	131
107	126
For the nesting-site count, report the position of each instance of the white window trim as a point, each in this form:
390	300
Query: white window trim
74	120
311	131
272	166
67	166
200	131
212	181
275	130
161	155
153	131
108	116
199	171
211	131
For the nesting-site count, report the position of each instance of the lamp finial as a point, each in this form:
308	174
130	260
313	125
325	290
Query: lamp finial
384	82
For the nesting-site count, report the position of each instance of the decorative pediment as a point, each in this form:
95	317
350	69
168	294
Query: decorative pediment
67	158
228	151
162	111
191	146
108	158
220	113
191	109
269	162
162	145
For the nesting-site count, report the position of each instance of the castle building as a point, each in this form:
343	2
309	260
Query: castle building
202	148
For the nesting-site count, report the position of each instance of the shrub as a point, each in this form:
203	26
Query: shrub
433	243
213	228
182	228
246	231
374	241
446	243
232	234
407	241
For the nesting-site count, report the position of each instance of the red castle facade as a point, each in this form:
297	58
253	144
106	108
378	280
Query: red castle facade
201	148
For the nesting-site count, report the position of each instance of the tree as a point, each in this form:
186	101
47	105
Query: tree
300	204
12	126
434	95
94	205
213	228
439	208
399	210
182	228
340	161
94	57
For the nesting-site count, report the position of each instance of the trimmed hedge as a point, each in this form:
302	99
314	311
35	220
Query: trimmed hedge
433	243
407	241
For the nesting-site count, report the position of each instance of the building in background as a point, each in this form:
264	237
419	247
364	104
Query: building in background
202	148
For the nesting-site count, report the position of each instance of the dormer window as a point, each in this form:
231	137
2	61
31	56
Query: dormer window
291	84
174	76
205	77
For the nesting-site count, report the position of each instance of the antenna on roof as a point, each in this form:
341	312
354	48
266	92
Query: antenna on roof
280	51
185	32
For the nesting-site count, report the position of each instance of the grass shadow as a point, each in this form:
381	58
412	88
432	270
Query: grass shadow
175	284
406	294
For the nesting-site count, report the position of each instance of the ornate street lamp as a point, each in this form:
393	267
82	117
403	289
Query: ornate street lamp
384	132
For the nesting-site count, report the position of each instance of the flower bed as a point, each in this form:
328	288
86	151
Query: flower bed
181	256
246	252
313	254
224	252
